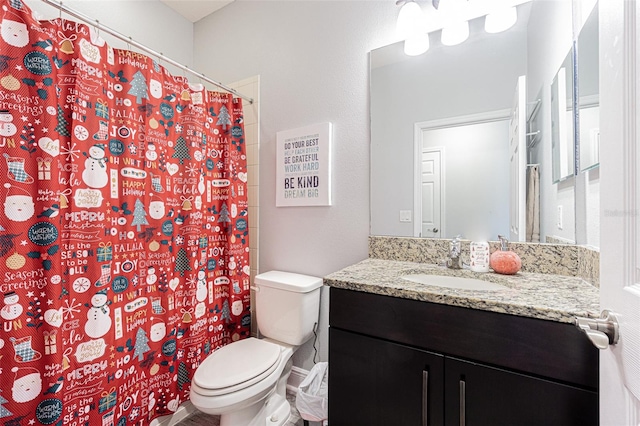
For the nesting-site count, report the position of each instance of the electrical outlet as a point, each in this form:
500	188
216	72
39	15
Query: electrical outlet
405	215
559	219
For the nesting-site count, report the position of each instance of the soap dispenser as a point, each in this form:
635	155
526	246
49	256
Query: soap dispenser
504	261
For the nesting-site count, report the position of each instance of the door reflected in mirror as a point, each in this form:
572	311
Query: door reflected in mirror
465	173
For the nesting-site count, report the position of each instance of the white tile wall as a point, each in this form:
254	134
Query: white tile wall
251	87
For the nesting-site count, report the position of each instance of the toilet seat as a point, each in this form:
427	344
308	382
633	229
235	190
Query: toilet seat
237	366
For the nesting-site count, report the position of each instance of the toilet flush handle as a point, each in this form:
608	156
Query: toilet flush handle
255	288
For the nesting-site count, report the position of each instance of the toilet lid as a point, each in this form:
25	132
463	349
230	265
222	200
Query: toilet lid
237	364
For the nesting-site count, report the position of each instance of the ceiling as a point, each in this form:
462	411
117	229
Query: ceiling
194	10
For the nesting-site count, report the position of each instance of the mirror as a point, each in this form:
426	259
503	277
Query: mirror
442	88
562	121
588	93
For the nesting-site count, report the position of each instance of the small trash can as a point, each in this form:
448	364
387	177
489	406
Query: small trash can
312	399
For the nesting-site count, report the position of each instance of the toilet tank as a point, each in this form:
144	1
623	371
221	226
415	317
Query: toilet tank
287	305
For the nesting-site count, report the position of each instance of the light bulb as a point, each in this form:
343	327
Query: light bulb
500	20
417	44
411	20
455	30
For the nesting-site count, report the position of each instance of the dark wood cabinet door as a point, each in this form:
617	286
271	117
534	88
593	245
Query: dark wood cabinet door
376	382
495	397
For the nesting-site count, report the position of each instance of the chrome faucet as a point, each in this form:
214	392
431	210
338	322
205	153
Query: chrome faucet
454	261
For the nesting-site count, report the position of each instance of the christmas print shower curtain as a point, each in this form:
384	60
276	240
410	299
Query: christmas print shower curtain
123	227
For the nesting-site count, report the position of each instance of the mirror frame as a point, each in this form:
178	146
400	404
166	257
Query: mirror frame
564	118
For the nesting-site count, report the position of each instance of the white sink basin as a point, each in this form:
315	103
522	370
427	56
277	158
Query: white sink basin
453	282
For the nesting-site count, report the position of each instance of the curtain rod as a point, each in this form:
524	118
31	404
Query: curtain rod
94	22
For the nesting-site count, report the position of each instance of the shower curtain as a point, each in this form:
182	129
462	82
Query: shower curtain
124	247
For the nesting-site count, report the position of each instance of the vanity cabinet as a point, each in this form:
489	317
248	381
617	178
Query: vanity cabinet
484	395
406	362
376	382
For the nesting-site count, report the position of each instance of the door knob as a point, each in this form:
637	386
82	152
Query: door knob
434	230
603	331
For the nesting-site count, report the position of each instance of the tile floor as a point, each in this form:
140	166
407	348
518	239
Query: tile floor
201	419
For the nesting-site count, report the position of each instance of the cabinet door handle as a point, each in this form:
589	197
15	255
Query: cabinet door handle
425	397
463	407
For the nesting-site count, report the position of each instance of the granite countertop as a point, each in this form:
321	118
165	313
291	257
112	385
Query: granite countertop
543	296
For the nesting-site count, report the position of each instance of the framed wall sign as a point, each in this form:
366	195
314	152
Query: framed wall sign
303	172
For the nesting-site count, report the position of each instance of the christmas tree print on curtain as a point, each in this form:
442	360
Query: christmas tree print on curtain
62	126
224	215
183	375
139	87
139	215
182	262
3	411
123	228
224	119
226	313
141	345
181	150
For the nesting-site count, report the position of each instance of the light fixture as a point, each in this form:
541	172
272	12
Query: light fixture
501	19
411	27
452	17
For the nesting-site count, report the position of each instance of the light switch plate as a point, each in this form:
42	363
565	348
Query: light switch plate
405	215
559	220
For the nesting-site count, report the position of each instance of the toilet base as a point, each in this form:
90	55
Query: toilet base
275	411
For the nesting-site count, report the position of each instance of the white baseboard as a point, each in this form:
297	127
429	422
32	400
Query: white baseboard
184	410
295	378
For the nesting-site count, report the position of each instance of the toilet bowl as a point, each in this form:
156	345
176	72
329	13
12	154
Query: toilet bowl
245	382
238	394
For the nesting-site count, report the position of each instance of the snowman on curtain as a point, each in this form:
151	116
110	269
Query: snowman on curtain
95	167
98	317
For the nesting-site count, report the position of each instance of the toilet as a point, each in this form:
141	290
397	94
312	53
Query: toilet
245	382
